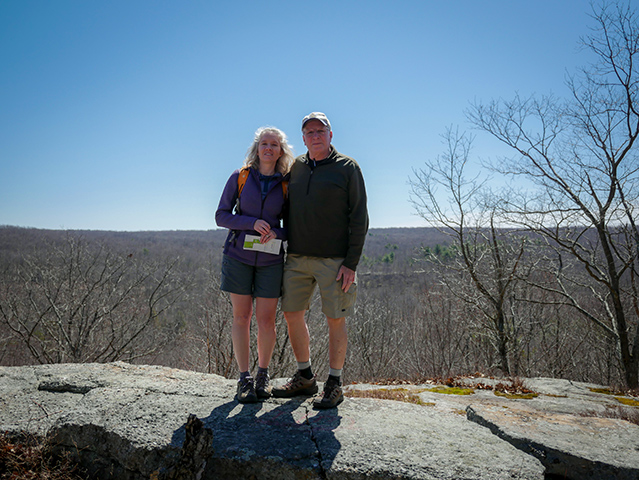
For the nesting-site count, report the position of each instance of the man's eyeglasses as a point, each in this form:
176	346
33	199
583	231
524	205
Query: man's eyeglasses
311	133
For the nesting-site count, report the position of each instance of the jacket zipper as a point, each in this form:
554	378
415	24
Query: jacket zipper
308	185
270	190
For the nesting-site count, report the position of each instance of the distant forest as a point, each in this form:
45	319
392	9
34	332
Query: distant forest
154	298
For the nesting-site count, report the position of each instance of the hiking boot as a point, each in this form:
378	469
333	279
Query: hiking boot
297	385
331	397
262	388
246	391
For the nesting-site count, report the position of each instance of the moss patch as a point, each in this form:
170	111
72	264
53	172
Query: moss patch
451	390
397	394
514	396
605	391
628	401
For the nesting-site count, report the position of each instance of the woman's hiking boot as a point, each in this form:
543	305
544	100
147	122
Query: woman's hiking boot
262	388
246	390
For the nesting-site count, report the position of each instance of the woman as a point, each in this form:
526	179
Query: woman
247	273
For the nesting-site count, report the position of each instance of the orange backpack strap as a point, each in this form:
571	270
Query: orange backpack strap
241	180
285	188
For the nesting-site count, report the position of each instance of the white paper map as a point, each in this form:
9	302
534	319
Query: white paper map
252	242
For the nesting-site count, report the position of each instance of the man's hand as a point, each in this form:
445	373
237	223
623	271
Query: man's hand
348	277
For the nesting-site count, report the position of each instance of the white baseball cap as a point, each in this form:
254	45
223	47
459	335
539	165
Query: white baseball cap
317	116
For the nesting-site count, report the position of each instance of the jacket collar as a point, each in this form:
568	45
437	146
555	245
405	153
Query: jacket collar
332	154
256	174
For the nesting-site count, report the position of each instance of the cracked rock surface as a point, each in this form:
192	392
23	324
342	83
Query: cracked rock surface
132	422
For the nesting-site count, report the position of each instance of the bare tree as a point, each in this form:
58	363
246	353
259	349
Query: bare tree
581	158
487	259
80	302
211	334
375	338
438	341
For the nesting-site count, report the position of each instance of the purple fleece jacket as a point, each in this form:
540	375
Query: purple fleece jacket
252	208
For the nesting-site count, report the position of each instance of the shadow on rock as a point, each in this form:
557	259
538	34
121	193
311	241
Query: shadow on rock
194	454
270	439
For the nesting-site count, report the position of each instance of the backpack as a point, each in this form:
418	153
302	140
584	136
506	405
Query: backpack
241	180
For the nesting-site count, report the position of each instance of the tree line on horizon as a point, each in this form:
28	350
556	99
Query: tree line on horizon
154	298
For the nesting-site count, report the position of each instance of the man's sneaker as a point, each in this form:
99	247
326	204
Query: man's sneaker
331	397
297	385
246	391
262	388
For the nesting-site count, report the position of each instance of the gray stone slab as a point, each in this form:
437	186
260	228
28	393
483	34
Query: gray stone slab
567	444
377	438
129	421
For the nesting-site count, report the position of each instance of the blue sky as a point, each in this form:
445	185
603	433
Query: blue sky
131	115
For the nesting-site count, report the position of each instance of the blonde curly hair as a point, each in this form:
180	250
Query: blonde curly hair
285	161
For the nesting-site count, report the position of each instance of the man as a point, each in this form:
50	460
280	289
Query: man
327	226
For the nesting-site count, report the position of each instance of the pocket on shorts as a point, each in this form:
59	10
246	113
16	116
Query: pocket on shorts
347	303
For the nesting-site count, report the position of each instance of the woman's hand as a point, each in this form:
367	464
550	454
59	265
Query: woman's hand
264	229
267	237
261	227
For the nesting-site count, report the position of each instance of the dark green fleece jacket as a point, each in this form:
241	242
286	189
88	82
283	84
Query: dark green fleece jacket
327	214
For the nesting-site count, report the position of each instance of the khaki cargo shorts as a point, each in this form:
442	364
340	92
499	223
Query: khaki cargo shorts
302	274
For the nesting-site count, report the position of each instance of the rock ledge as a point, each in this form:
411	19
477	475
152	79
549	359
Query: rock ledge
127	421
